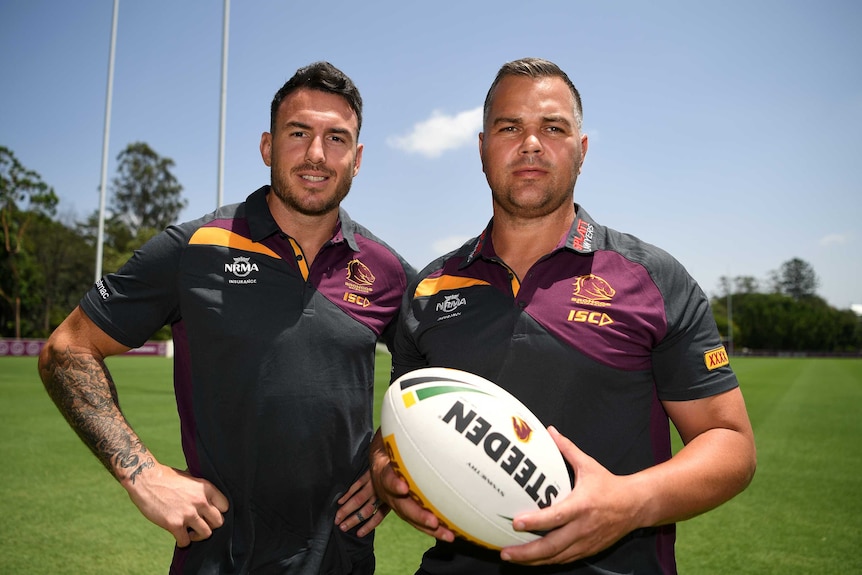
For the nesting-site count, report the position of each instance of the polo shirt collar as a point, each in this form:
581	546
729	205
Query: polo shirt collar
583	237
261	224
480	246
345	231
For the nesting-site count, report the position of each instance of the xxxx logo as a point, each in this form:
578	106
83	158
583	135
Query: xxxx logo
716	358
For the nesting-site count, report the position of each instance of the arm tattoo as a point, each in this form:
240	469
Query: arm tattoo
84	392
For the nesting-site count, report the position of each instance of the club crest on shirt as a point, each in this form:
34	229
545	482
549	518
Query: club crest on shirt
359	276
359	279
592	290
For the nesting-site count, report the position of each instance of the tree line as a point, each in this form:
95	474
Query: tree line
48	262
784	315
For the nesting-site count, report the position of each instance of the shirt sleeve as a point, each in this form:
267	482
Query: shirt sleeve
690	362
131	304
405	351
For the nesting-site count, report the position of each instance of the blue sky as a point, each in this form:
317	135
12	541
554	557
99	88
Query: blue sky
724	132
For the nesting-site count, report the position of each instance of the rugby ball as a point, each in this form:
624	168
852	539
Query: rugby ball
472	453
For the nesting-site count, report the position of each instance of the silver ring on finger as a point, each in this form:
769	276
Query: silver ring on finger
360	516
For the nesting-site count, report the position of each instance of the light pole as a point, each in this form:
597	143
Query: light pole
100	234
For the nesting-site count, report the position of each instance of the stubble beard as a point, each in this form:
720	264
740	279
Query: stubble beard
309	203
538	202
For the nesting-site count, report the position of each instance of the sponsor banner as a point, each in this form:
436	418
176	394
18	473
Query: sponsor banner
160	348
22	347
32	347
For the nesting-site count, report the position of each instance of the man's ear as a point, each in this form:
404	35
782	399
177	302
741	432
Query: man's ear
358	160
266	148
481	158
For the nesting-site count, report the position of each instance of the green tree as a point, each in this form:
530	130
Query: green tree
119	247
23	197
797	279
778	322
119	243
728	332
762	321
746	284
789	318
145	193
63	271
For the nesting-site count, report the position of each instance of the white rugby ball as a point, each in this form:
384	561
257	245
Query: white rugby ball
471	452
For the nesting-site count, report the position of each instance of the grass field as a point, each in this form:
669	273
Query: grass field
61	512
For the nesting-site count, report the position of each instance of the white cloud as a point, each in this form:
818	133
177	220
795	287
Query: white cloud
834	239
440	132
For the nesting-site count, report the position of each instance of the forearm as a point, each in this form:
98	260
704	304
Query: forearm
73	370
80	385
713	468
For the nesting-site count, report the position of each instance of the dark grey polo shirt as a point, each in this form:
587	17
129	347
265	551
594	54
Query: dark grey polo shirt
596	335
274	373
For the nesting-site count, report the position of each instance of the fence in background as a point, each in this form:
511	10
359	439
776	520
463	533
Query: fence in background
32	347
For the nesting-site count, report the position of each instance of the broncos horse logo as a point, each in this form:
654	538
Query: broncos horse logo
358	273
593	287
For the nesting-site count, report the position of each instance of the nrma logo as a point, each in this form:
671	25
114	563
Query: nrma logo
241	267
451	303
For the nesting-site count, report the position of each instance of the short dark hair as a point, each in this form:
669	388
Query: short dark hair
533	68
324	77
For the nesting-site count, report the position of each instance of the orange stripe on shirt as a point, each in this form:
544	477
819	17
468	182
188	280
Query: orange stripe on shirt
229	239
431	286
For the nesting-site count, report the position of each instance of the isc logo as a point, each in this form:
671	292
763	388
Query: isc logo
593	317
356	299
